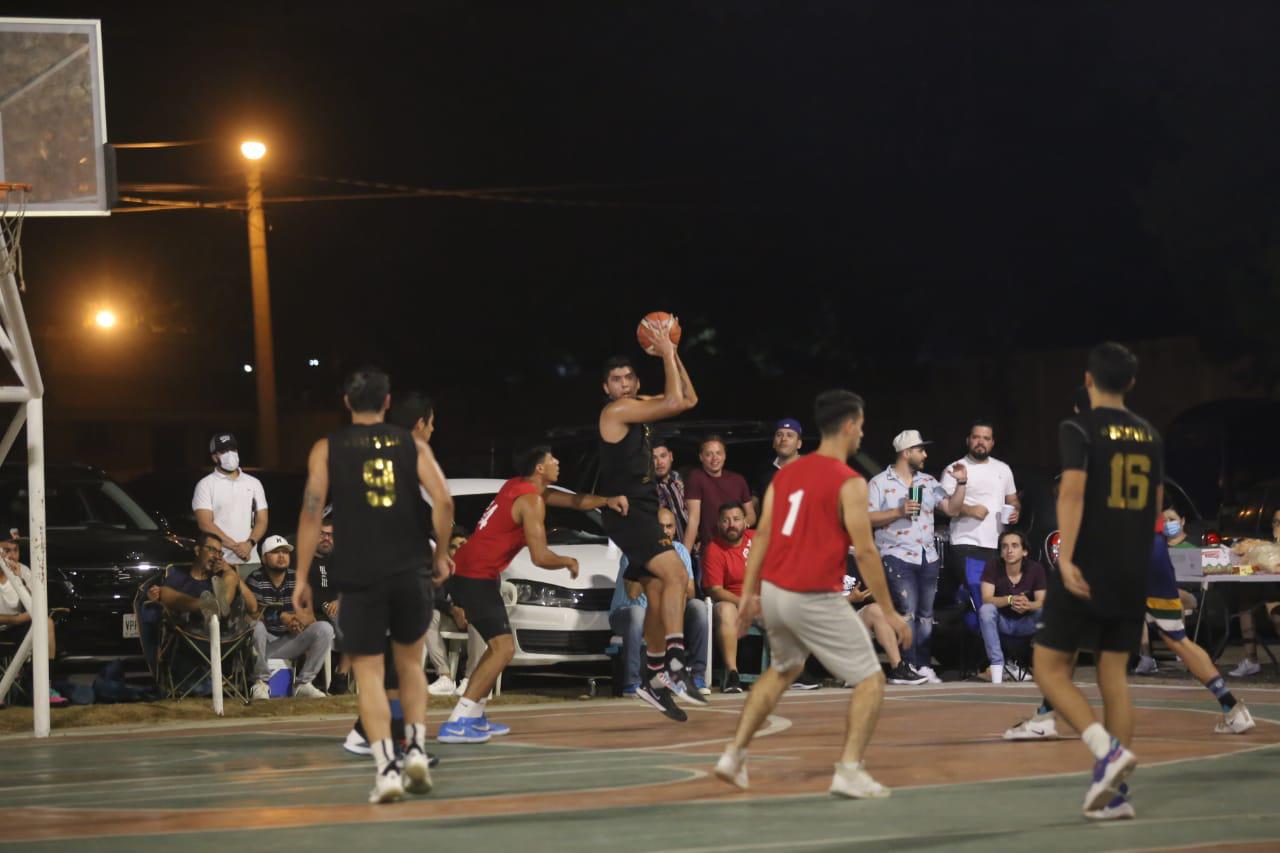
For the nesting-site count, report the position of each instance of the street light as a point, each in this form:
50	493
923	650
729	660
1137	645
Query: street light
263	350
105	319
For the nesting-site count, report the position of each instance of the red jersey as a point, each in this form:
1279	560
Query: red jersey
497	538
726	565
807	541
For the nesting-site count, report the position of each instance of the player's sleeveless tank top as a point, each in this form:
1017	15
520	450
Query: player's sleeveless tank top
807	541
626	468
497	538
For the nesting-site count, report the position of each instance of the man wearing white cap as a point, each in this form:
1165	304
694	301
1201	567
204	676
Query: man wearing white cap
283	632
901	500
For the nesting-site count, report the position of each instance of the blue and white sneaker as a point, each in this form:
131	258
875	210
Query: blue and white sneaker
701	685
1118	809
1108	774
462	731
630	689
484	724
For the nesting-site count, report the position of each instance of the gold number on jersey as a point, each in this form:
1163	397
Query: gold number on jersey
1130	481
380	478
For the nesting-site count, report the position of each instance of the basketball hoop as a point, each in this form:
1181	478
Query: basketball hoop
13	210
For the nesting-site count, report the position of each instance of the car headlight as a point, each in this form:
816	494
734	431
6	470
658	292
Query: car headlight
546	595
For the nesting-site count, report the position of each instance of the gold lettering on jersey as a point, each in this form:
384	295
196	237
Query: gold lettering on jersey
1125	432
380	478
376	442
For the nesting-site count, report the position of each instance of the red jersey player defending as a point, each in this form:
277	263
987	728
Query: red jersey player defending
814	509
515	518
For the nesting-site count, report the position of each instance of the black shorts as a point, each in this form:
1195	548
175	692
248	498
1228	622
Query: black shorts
482	600
399	606
638	534
1071	624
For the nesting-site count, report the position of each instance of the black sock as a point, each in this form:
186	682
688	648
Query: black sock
397	731
653	668
1045	707
359	729
674	659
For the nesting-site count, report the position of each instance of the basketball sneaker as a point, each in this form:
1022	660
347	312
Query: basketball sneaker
903	674
356	744
387	786
732	767
1108	774
732	683
1118	809
685	689
927	672
416	774
1237	721
661	698
856	783
1246	668
461	731
1146	666
483	724
1040	726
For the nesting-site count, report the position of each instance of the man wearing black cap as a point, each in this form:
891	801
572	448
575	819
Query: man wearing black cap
232	505
786	444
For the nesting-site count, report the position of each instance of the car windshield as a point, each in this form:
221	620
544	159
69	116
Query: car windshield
564	526
78	504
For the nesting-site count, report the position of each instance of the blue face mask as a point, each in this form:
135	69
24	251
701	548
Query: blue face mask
1172	529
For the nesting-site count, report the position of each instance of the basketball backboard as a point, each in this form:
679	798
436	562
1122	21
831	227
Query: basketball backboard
53	121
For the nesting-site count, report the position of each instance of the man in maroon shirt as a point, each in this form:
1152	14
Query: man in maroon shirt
724	563
709	488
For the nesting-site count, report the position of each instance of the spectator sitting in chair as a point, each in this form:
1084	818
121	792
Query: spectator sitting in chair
1263	598
283	632
626	618
873	618
210	588
446	615
13	611
724	564
1013	591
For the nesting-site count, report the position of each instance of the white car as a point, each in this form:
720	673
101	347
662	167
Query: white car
557	619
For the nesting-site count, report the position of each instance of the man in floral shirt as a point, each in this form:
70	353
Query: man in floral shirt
904	537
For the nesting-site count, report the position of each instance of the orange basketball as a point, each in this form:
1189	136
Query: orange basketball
646	338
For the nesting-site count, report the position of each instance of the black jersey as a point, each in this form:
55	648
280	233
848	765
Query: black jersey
626	468
1123	457
373	485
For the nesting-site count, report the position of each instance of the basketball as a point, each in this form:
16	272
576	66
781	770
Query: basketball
645	337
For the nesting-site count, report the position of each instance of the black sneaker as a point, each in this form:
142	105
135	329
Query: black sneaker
904	674
685	690
662	699
732	684
805	682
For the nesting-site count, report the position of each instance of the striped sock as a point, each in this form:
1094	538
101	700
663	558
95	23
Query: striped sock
384	754
1218	687
653	668
674	658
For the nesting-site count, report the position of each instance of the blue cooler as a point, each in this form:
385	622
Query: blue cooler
280	681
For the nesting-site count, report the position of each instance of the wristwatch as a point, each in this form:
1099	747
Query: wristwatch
961	482
1010	602
253	543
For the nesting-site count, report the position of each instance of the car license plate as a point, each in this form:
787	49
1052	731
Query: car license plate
130	626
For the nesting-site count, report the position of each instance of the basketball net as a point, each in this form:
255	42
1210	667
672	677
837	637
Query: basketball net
13	211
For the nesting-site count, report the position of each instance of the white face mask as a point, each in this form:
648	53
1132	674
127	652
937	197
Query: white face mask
229	461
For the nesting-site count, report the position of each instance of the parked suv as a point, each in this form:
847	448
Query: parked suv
101	546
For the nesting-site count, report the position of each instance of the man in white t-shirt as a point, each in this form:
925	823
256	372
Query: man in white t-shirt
232	505
975	534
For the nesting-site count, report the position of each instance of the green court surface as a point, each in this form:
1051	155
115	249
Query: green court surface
595	776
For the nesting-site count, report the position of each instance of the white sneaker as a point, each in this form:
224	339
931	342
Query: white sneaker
259	690
856	784
732	767
416	777
307	690
461	688
1118	809
387	787
1016	673
356	744
1040	726
1237	722
927	672
442	686
1146	666
1245	668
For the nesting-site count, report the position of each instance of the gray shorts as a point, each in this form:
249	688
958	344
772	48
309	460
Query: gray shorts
818	623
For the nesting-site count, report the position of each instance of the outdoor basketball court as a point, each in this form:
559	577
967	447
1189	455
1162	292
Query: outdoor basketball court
580	776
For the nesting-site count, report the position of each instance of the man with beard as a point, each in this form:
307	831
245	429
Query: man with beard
902	499
670	486
724	564
626	468
975	533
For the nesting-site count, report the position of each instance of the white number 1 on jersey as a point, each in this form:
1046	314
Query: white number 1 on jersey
790	524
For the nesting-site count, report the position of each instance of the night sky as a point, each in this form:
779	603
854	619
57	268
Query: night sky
805	184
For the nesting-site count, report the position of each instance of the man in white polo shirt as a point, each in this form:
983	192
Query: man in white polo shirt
975	534
232	505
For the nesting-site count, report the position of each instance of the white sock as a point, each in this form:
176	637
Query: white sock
1098	740
384	754
738	755
417	735
465	708
848	767
480	706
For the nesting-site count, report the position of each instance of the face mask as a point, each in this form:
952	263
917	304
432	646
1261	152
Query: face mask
1172	529
229	461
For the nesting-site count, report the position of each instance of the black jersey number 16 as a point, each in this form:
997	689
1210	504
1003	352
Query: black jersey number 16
1130	481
